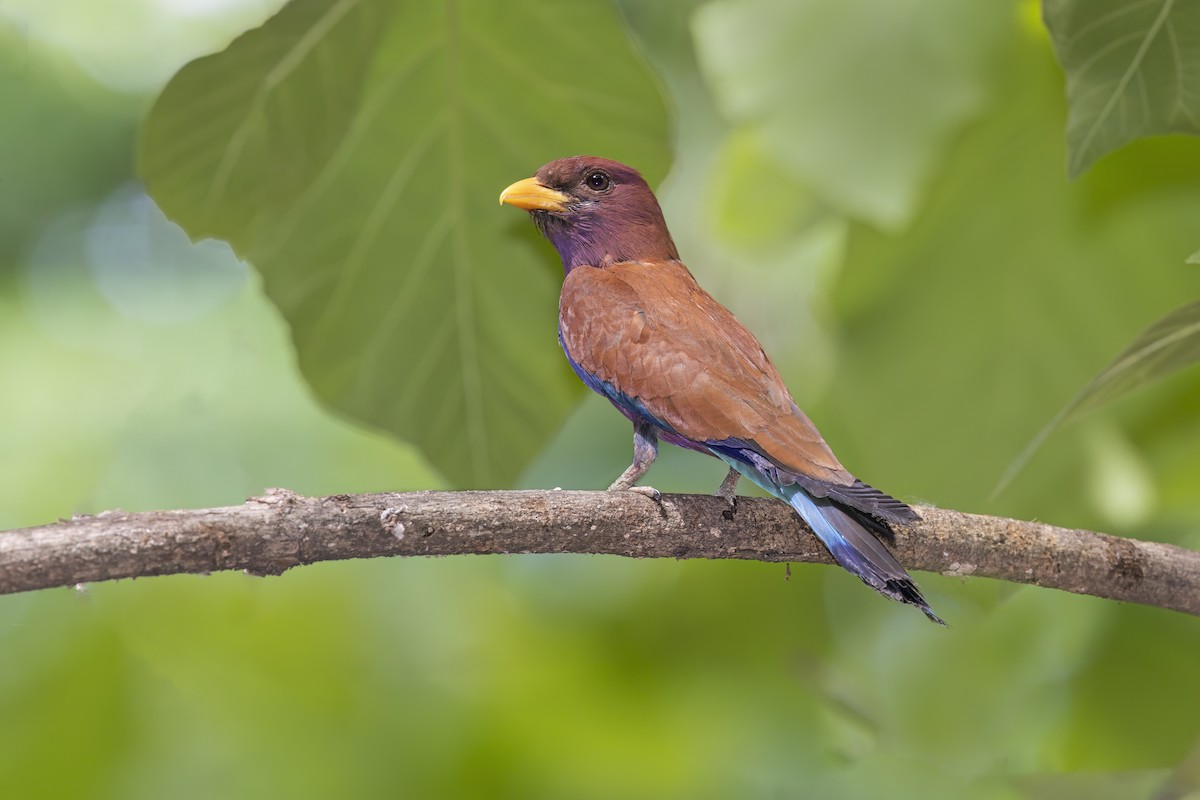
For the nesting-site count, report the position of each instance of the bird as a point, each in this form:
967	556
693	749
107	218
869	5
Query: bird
639	330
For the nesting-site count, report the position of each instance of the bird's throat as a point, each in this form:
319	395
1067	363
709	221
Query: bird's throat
573	239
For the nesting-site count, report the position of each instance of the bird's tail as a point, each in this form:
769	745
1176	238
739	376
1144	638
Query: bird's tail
851	538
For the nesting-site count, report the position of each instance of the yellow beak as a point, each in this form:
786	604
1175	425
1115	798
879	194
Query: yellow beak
533	196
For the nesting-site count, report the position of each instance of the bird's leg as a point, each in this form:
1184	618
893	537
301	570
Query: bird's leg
728	488
645	450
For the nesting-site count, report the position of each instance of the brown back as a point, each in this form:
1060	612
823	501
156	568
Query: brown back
648	329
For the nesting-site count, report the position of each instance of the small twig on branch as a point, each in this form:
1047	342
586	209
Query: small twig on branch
270	534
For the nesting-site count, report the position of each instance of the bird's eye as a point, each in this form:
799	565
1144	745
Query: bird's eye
597	181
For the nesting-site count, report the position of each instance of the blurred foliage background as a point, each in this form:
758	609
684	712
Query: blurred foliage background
878	188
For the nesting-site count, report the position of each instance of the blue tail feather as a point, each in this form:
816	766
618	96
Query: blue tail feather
849	537
857	549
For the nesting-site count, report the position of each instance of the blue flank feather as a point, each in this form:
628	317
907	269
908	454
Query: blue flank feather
631	407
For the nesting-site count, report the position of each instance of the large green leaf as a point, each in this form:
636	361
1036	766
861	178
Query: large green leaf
1133	69
858	99
354	151
1165	347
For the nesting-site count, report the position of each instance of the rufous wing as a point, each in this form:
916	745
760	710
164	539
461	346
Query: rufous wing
651	332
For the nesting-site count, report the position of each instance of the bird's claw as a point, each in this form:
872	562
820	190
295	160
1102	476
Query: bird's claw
645	491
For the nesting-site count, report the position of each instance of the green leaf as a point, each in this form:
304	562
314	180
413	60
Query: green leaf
47	169
857	99
1168	345
354	152
1133	70
1165	347
1012	288
1194	258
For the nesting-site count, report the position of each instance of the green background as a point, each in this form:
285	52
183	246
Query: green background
878	189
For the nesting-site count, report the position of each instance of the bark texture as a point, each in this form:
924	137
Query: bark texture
270	534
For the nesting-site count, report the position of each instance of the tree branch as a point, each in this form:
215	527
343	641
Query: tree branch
270	534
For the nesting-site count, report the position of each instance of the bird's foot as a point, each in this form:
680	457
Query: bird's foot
728	488
645	491
625	484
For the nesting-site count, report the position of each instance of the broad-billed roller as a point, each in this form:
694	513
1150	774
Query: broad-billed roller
638	329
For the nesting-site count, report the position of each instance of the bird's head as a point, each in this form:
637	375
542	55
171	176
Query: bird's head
594	211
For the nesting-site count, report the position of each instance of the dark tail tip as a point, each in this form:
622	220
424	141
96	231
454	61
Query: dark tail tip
854	540
907	592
